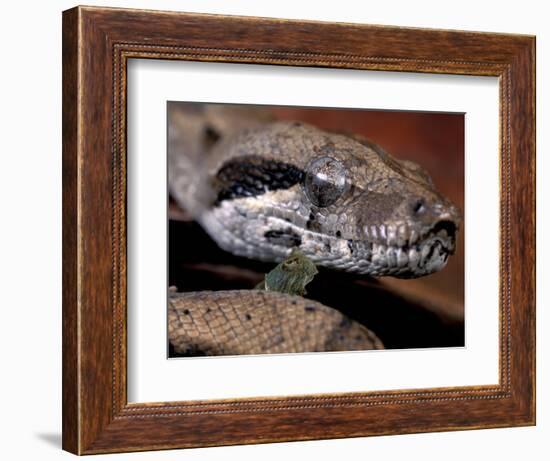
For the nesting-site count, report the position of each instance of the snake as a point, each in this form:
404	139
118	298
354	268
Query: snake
262	188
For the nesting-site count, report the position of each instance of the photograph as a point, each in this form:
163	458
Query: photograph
312	229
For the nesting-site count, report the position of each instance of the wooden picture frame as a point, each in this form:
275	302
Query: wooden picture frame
97	43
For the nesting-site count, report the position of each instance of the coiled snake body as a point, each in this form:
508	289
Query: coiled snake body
263	188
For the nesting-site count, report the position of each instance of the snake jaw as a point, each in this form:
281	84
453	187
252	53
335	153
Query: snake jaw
260	235
425	256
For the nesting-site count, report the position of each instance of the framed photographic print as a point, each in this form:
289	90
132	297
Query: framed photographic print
280	230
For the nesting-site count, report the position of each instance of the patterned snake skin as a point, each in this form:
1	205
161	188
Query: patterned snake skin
260	322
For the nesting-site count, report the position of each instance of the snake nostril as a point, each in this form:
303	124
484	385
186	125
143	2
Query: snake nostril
418	206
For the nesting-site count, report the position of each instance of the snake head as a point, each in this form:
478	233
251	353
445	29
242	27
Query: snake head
342	201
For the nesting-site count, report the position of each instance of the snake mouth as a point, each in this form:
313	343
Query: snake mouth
405	236
407	253
421	259
396	250
418	255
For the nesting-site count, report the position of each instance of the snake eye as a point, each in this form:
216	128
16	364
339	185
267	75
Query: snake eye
325	181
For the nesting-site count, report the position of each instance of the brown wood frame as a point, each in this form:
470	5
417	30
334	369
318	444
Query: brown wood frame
97	43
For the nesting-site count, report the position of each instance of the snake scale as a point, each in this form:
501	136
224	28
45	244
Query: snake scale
263	188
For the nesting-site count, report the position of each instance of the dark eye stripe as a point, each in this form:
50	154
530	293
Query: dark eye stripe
250	176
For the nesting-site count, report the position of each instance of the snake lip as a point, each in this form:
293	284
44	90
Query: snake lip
407	251
408	237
